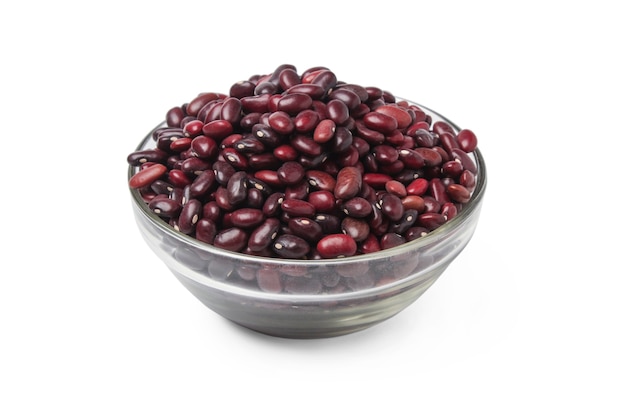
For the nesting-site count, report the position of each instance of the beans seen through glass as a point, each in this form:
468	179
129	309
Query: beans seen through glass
304	166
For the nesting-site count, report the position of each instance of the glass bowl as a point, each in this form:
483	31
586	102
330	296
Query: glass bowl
310	298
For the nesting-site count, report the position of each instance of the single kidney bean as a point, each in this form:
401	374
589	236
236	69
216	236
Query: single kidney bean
391	206
348	158
180	144
255	104
206	230
211	211
348	97
380	122
293	103
148	155
147	176
357	207
452	169
287	78
255	198
223	171
305	228
221	199
290	173
370	244
419	186
189	216
262	161
266	134
401	116
305	145
376	180
194	165
430	221
316	92
330	223
321	180
413	202
337	245
415	232
237	188
431	157
348	183
204	147
458	193
218	129
298	208
290	246
431	205
233	239
247	144
322	200
438	190
467	140
306	121
357	229
324	131
247	217
449	211
273	203
396	188
423	137
242	89
341	140
285	153
385	154
161	187
391	240
202	184
231	110
178	178
165	207
373	137
235	158
411	158
467	179
249	120
281	122
325	79
337	111
174	116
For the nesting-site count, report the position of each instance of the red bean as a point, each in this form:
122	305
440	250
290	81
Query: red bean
401	116
306	228
290	246
467	140
281	122
306	121
298	208
458	193
147	176
290	173
357	207
337	245
247	217
391	206
217	129
380	122
348	183
189	216
357	229
322	200
321	180
285	153
337	111
233	239
165	207
197	103
324	131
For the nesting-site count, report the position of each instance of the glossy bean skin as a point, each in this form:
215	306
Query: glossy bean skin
189	216
357	207
357	229
323	201
264	234
233	239
336	245
348	183
247	217
290	246
305	228
147	176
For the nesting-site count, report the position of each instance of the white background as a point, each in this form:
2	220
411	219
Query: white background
529	320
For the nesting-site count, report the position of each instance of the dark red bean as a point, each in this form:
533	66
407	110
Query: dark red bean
324	131
376	180
431	157
305	145
255	198
268	176
467	140
467	179
401	116
385	154
294	103
373	137
298	191
194	165
438	190
337	111
231	110
391	240
357	229
290	246
242	89
452	169
409	217
391	206
202	184
233	239
322	200
204	147
273	203
165	207
261	161
281	122
413	202
449	211
348	158
431	205
411	158
264	234
348	97
189	216
341	141
205	231
321	180
178	178
247	217
396	188
316	92
174	116
458	193
287	78
325	79
255	104
298	208
147	155
290	173
306	121
237	188
217	129
348	183
211	211
415	232
370	244
336	245
147	176
423	138
306	229
266	134
200	101
330	223
380	122
248	120
285	153
223	171
431	221
235	158
357	207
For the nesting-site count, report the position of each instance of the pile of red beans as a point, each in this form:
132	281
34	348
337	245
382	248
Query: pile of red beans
304	166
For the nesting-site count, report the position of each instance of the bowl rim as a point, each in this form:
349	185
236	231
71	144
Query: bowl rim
468	209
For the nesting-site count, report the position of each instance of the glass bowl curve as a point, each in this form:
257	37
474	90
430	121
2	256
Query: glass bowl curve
310	298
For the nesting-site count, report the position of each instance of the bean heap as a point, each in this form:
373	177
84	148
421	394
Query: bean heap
304	166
